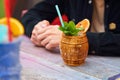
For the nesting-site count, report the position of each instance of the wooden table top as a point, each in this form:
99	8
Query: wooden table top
41	64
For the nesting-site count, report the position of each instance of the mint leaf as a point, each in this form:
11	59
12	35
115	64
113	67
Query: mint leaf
71	25
80	29
70	29
61	28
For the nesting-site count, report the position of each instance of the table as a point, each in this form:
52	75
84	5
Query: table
41	64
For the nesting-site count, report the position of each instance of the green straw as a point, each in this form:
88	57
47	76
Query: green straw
60	17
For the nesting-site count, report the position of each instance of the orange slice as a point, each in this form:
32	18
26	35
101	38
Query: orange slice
16	27
85	24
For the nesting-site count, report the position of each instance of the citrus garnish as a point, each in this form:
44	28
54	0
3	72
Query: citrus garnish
85	24
17	28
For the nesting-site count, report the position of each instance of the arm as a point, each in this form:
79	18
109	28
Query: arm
104	44
44	10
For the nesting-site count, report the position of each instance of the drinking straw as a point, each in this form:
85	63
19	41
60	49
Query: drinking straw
8	15
59	14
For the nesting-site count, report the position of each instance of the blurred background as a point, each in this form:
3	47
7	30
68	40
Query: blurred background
18	7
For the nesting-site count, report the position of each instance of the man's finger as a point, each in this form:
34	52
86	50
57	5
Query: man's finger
43	30
35	41
52	44
42	24
46	41
44	35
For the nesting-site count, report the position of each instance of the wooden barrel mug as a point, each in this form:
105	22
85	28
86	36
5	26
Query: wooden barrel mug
74	49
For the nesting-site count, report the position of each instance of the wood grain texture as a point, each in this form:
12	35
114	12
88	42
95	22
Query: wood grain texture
40	64
74	49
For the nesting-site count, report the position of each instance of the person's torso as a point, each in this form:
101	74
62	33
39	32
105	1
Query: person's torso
80	9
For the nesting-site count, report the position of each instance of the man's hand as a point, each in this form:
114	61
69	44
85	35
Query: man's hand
37	27
49	36
46	35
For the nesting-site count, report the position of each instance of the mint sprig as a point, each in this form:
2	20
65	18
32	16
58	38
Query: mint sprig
69	29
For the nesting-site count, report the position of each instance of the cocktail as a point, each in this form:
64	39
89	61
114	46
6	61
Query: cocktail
74	43
10	67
